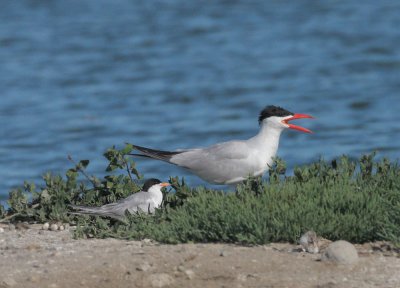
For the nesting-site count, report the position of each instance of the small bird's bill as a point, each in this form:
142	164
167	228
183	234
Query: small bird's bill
295	127
165	184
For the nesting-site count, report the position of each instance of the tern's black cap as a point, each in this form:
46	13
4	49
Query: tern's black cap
272	110
150	183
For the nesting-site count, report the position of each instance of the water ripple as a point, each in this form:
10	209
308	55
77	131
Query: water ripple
79	77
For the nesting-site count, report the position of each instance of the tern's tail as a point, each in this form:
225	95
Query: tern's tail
96	211
155	154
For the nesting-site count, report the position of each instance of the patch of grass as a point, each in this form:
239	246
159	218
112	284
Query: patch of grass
358	201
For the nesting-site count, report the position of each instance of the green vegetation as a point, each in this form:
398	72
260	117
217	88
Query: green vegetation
358	201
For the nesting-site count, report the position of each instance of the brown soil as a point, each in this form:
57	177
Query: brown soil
36	258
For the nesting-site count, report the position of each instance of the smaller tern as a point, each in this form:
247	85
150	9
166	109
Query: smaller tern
146	201
233	161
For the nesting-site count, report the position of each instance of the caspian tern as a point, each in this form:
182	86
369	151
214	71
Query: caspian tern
233	161
146	201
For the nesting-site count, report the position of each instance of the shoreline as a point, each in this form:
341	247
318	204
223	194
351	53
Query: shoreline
32	257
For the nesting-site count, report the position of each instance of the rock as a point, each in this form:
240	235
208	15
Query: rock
8	282
160	280
1	230
242	277
22	226
55	254
33	247
61	228
189	274
341	252
54	227
144	267
46	226
34	279
309	242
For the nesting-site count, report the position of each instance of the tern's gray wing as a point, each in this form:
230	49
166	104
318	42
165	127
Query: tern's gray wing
139	201
222	163
143	201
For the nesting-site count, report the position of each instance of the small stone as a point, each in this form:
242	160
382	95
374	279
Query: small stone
34	279
160	280
55	254
242	277
309	242
341	252
54	227
189	274
46	226
33	247
122	267
61	228
181	268
1	230
8	282
144	267
22	226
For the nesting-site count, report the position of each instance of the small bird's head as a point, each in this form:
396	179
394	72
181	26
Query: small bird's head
278	117
153	183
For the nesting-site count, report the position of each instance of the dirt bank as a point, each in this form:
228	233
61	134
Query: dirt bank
36	258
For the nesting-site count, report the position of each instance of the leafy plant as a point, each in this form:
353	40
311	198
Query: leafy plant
50	203
358	201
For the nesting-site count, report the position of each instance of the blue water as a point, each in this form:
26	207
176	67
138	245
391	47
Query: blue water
77	77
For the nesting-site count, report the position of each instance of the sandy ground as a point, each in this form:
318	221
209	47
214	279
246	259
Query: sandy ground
36	258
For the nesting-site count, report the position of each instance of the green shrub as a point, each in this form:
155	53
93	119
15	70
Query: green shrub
358	201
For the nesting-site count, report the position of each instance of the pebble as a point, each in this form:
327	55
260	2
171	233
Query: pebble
1	230
145	242
8	282
46	226
34	279
22	226
55	254
61	228
341	252
33	247
53	227
144	267
160	280
189	274
242	277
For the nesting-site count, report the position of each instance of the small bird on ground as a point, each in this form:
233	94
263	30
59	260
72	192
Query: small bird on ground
309	242
146	201
233	161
